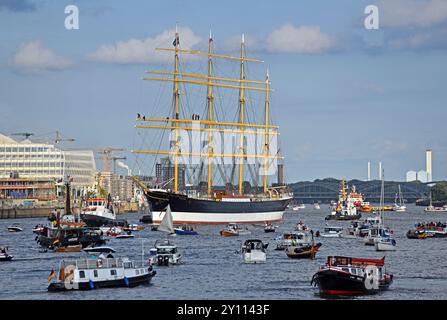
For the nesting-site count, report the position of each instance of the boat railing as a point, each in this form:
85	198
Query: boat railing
94	263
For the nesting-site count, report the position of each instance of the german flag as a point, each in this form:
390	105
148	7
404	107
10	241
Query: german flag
52	275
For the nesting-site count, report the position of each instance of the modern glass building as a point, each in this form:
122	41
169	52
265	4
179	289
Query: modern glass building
46	161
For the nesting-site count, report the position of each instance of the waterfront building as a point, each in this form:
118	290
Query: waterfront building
164	172
37	160
27	188
411	176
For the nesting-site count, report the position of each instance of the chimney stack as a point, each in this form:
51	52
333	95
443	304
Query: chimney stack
369	171
428	165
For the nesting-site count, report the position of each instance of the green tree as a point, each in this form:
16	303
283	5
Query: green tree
439	191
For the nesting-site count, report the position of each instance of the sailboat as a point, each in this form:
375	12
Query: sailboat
383	241
432	208
167	224
230	204
399	207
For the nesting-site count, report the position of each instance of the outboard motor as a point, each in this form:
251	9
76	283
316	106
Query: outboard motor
160	260
166	260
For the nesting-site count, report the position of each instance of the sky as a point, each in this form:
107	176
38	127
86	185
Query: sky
344	95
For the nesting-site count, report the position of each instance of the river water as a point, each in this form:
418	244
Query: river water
213	270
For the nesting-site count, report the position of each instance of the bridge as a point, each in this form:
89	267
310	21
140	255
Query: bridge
326	190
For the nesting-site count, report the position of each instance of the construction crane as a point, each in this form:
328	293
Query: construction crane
60	139
107	157
114	162
24	134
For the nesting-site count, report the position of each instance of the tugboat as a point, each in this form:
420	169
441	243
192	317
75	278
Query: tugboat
4	256
164	253
99	213
349	276
93	273
253	251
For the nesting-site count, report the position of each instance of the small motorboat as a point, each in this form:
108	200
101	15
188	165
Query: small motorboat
253	251
295	238
268	227
124	236
102	249
385	244
38	229
317	206
15	228
4	256
185	230
331	232
416	234
146	219
133	227
304	251
75	248
93	273
347	276
232	229
164	253
375	233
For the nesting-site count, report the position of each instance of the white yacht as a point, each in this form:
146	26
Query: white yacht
253	251
399	205
164	253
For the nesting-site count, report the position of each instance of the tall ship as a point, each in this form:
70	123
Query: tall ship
213	161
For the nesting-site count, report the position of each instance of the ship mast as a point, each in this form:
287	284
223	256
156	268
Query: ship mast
210	125
210	113
266	136
176	103
241	118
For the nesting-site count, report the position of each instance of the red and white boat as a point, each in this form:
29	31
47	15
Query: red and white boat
352	276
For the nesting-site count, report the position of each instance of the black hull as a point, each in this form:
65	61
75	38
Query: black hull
94	221
332	282
307	252
182	203
84	241
8	258
343	217
132	282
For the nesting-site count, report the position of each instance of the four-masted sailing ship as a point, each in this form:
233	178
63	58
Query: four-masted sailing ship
216	207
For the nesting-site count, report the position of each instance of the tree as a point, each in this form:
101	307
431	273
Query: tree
439	191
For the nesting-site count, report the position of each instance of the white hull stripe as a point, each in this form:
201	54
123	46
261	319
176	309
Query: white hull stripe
219	218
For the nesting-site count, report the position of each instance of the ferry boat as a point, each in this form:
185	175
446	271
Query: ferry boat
253	251
197	206
93	273
164	253
352	276
4	255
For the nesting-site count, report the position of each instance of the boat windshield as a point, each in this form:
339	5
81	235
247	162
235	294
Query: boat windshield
166	250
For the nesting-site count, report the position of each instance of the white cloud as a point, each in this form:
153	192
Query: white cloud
143	50
432	39
287	39
405	13
34	57
304	39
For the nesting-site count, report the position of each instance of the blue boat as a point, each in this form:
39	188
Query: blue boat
185	230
